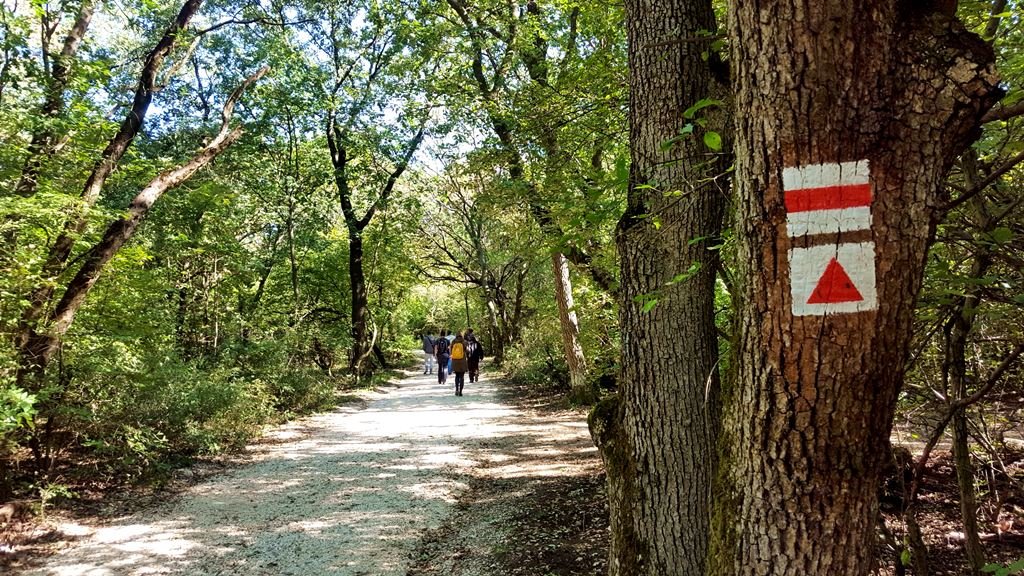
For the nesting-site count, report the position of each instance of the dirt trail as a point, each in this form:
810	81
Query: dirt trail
348	492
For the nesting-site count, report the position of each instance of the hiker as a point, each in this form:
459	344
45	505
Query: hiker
428	353
460	363
474	353
441	350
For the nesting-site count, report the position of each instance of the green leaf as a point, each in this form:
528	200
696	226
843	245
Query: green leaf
905	557
1001	235
713	140
700	105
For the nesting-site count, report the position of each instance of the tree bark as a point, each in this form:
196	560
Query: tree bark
658	440
360	307
573	349
899	89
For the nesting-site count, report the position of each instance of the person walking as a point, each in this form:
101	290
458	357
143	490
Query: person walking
428	353
460	363
441	353
474	353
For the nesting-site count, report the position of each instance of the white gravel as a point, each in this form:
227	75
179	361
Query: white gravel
342	493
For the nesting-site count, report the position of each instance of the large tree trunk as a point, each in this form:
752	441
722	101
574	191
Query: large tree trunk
659	442
893	91
571	345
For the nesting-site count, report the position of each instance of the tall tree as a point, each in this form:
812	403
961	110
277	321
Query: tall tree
46	134
61	248
501	36
362	342
658	436
848	115
373	63
471	241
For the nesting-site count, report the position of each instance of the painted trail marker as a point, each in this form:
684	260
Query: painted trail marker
832	279
827	198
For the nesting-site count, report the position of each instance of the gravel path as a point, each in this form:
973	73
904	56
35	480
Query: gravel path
348	492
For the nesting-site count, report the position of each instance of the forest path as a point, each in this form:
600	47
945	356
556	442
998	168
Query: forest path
349	492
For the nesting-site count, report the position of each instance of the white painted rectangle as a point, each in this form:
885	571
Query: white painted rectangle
822	175
828	221
807	266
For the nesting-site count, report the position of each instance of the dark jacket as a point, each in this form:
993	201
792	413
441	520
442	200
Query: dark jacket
475	353
428	344
441	349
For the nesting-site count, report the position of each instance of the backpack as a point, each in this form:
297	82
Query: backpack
458	351
441	347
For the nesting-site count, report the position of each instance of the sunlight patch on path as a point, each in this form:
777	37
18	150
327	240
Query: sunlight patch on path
342	493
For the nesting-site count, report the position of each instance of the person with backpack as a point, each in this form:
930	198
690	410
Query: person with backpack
460	363
441	352
428	353
474	353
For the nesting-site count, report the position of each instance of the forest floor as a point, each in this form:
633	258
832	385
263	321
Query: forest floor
413	481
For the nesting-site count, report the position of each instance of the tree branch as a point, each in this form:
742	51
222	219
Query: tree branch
1003	112
410	149
956	406
981	186
121	230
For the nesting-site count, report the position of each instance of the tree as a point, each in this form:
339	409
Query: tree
470	241
658	437
500	37
838	105
34	345
380	63
45	136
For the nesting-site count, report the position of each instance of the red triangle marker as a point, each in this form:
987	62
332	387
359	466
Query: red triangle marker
834	286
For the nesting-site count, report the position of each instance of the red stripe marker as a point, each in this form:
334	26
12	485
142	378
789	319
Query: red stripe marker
827	198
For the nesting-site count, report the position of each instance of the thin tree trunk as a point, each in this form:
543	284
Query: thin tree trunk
61	249
877	94
45	137
292	261
574	358
498	335
40	345
973	548
961	324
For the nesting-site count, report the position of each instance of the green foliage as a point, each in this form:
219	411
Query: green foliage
51	492
1004	570
230	307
